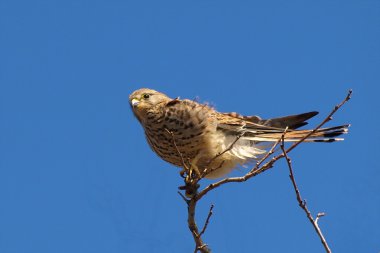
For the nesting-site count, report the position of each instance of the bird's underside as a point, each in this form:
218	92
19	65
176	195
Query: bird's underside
186	132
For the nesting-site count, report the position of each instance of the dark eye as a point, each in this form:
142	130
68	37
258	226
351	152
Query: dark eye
146	96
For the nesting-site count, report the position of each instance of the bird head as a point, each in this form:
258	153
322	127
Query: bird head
143	100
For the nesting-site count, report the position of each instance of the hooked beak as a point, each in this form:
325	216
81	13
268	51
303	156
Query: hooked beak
135	102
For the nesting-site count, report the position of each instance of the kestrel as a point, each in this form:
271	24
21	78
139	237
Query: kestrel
185	131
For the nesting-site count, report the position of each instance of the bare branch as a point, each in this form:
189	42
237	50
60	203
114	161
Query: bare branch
207	220
183	197
301	202
319	215
199	244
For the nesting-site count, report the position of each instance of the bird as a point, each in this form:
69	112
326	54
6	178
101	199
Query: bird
188	133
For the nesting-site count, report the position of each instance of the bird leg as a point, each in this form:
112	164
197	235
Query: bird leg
191	177
194	167
191	187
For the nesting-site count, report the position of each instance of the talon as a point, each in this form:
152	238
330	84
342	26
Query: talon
188	179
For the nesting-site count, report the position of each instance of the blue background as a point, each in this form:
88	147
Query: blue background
76	174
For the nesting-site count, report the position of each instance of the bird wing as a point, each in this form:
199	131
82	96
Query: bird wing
291	121
255	129
187	117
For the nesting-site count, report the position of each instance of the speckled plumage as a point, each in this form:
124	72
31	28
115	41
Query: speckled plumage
201	134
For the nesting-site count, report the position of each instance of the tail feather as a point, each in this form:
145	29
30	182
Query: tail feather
320	135
291	121
255	129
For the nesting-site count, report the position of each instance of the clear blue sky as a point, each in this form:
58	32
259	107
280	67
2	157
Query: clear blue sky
76	174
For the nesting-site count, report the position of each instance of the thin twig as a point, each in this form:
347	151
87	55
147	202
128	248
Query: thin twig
205	172
207	220
179	153
301	202
183	197
229	147
327	119
191	182
319	215
267	154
